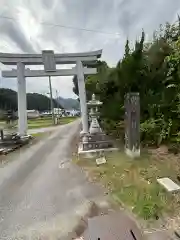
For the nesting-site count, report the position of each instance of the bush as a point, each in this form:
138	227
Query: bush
156	131
115	128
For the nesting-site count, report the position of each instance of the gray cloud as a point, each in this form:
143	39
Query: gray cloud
47	4
11	29
133	15
126	17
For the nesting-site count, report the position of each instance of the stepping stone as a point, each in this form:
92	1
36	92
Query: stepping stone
168	184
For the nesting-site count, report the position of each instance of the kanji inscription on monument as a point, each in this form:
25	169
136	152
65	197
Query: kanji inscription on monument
49	61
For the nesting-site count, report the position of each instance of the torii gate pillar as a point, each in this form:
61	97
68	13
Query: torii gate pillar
82	97
22	101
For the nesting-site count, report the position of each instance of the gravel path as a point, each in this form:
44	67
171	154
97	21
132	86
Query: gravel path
41	191
41	130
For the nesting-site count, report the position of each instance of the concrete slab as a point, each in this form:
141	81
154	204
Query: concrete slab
114	226
168	184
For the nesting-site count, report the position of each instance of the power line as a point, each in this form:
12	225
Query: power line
66	27
79	29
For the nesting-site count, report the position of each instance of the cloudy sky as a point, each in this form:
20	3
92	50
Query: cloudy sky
28	26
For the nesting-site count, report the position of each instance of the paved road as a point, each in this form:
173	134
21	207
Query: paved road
41	130
40	186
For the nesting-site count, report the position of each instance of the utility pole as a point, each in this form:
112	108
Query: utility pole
52	105
57	96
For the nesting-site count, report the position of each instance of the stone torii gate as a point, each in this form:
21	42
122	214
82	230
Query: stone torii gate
49	60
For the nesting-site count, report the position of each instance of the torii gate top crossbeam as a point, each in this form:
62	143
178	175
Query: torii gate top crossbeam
36	59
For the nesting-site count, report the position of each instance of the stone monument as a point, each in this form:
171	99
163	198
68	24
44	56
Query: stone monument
132	125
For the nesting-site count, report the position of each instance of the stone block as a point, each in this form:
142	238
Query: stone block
168	184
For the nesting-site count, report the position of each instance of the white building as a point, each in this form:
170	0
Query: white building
58	111
72	112
33	114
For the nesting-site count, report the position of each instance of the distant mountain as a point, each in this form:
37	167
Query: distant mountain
35	101
68	103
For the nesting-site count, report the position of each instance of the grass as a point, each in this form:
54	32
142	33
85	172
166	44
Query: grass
41	122
47	122
40	134
2	124
133	183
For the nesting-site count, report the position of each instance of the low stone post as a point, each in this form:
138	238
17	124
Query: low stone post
2	135
132	124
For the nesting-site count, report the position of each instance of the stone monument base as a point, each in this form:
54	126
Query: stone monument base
95	145
94	152
134	153
96	141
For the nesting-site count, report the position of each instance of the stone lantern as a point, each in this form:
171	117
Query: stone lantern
96	140
94	115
